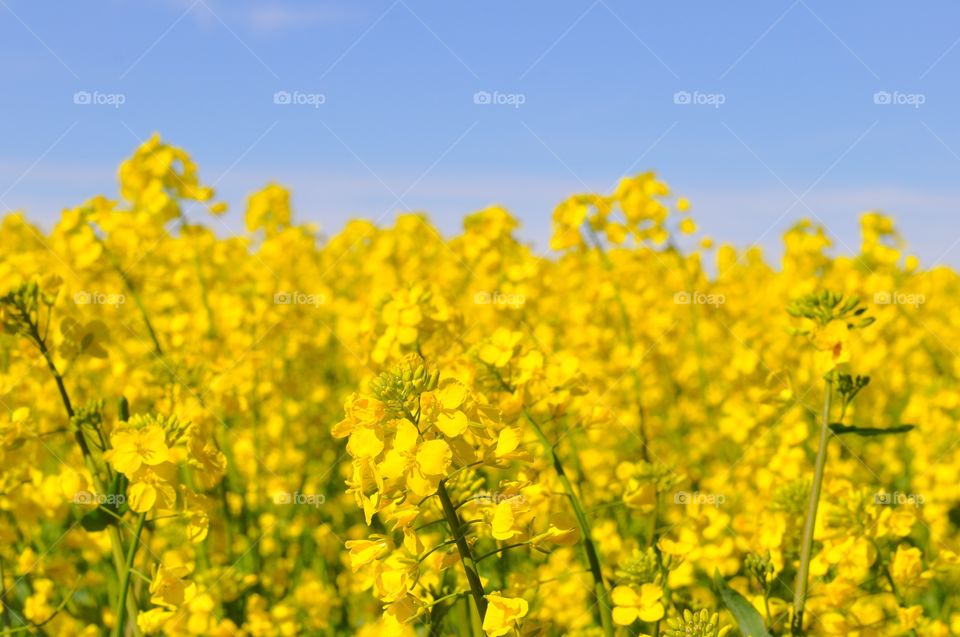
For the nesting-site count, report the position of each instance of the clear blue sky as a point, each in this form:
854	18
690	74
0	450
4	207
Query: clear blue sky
798	129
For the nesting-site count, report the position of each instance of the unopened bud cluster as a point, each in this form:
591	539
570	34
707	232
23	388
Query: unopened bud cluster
397	386
698	624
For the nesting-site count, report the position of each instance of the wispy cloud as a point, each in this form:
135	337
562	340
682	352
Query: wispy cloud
273	18
268	17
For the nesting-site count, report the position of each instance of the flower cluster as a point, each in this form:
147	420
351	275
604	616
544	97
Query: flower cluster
385	431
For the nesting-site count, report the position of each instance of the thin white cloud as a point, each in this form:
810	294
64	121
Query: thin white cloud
274	18
266	17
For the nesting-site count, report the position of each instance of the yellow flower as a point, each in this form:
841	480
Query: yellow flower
909	617
363	552
503	613
500	349
906	567
268	209
168	587
832	343
147	487
451	420
152	621
629	605
132	448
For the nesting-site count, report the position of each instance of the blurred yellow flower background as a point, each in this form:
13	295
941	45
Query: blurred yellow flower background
391	432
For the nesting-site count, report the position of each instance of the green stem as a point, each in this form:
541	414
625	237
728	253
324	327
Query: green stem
128	283
466	558
4	613
800	596
116	544
125	581
593	557
501	550
627	327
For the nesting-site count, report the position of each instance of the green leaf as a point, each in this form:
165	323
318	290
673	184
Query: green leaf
749	620
839	428
123	410
97	520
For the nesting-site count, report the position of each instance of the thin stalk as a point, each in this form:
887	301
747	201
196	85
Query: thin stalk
116	543
125	581
4	614
593	557
627	327
466	557
800	596
501	550
131	288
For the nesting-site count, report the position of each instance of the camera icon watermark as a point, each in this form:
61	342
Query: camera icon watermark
696	297
897	98
494	498
885	498
96	98
297	498
502	299
496	98
84	297
299	298
298	98
99	499
687	498
696	98
896	297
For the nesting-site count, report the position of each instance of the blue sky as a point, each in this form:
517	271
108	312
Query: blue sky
783	118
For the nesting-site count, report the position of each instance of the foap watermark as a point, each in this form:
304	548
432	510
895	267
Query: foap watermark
896	297
699	497
885	498
99	499
696	297
495	497
898	98
96	98
299	298
499	298
299	98
496	98
696	98
84	297
310	499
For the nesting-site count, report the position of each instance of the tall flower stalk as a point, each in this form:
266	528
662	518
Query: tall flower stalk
590	549
828	319
458	530
22	310
806	549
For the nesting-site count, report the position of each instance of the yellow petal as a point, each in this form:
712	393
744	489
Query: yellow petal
434	457
624	616
502	524
452	425
507	442
364	443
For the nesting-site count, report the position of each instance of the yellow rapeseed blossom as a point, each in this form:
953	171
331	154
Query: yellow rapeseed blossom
389	431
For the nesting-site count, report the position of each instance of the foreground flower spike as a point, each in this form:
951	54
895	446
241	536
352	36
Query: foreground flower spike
830	317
